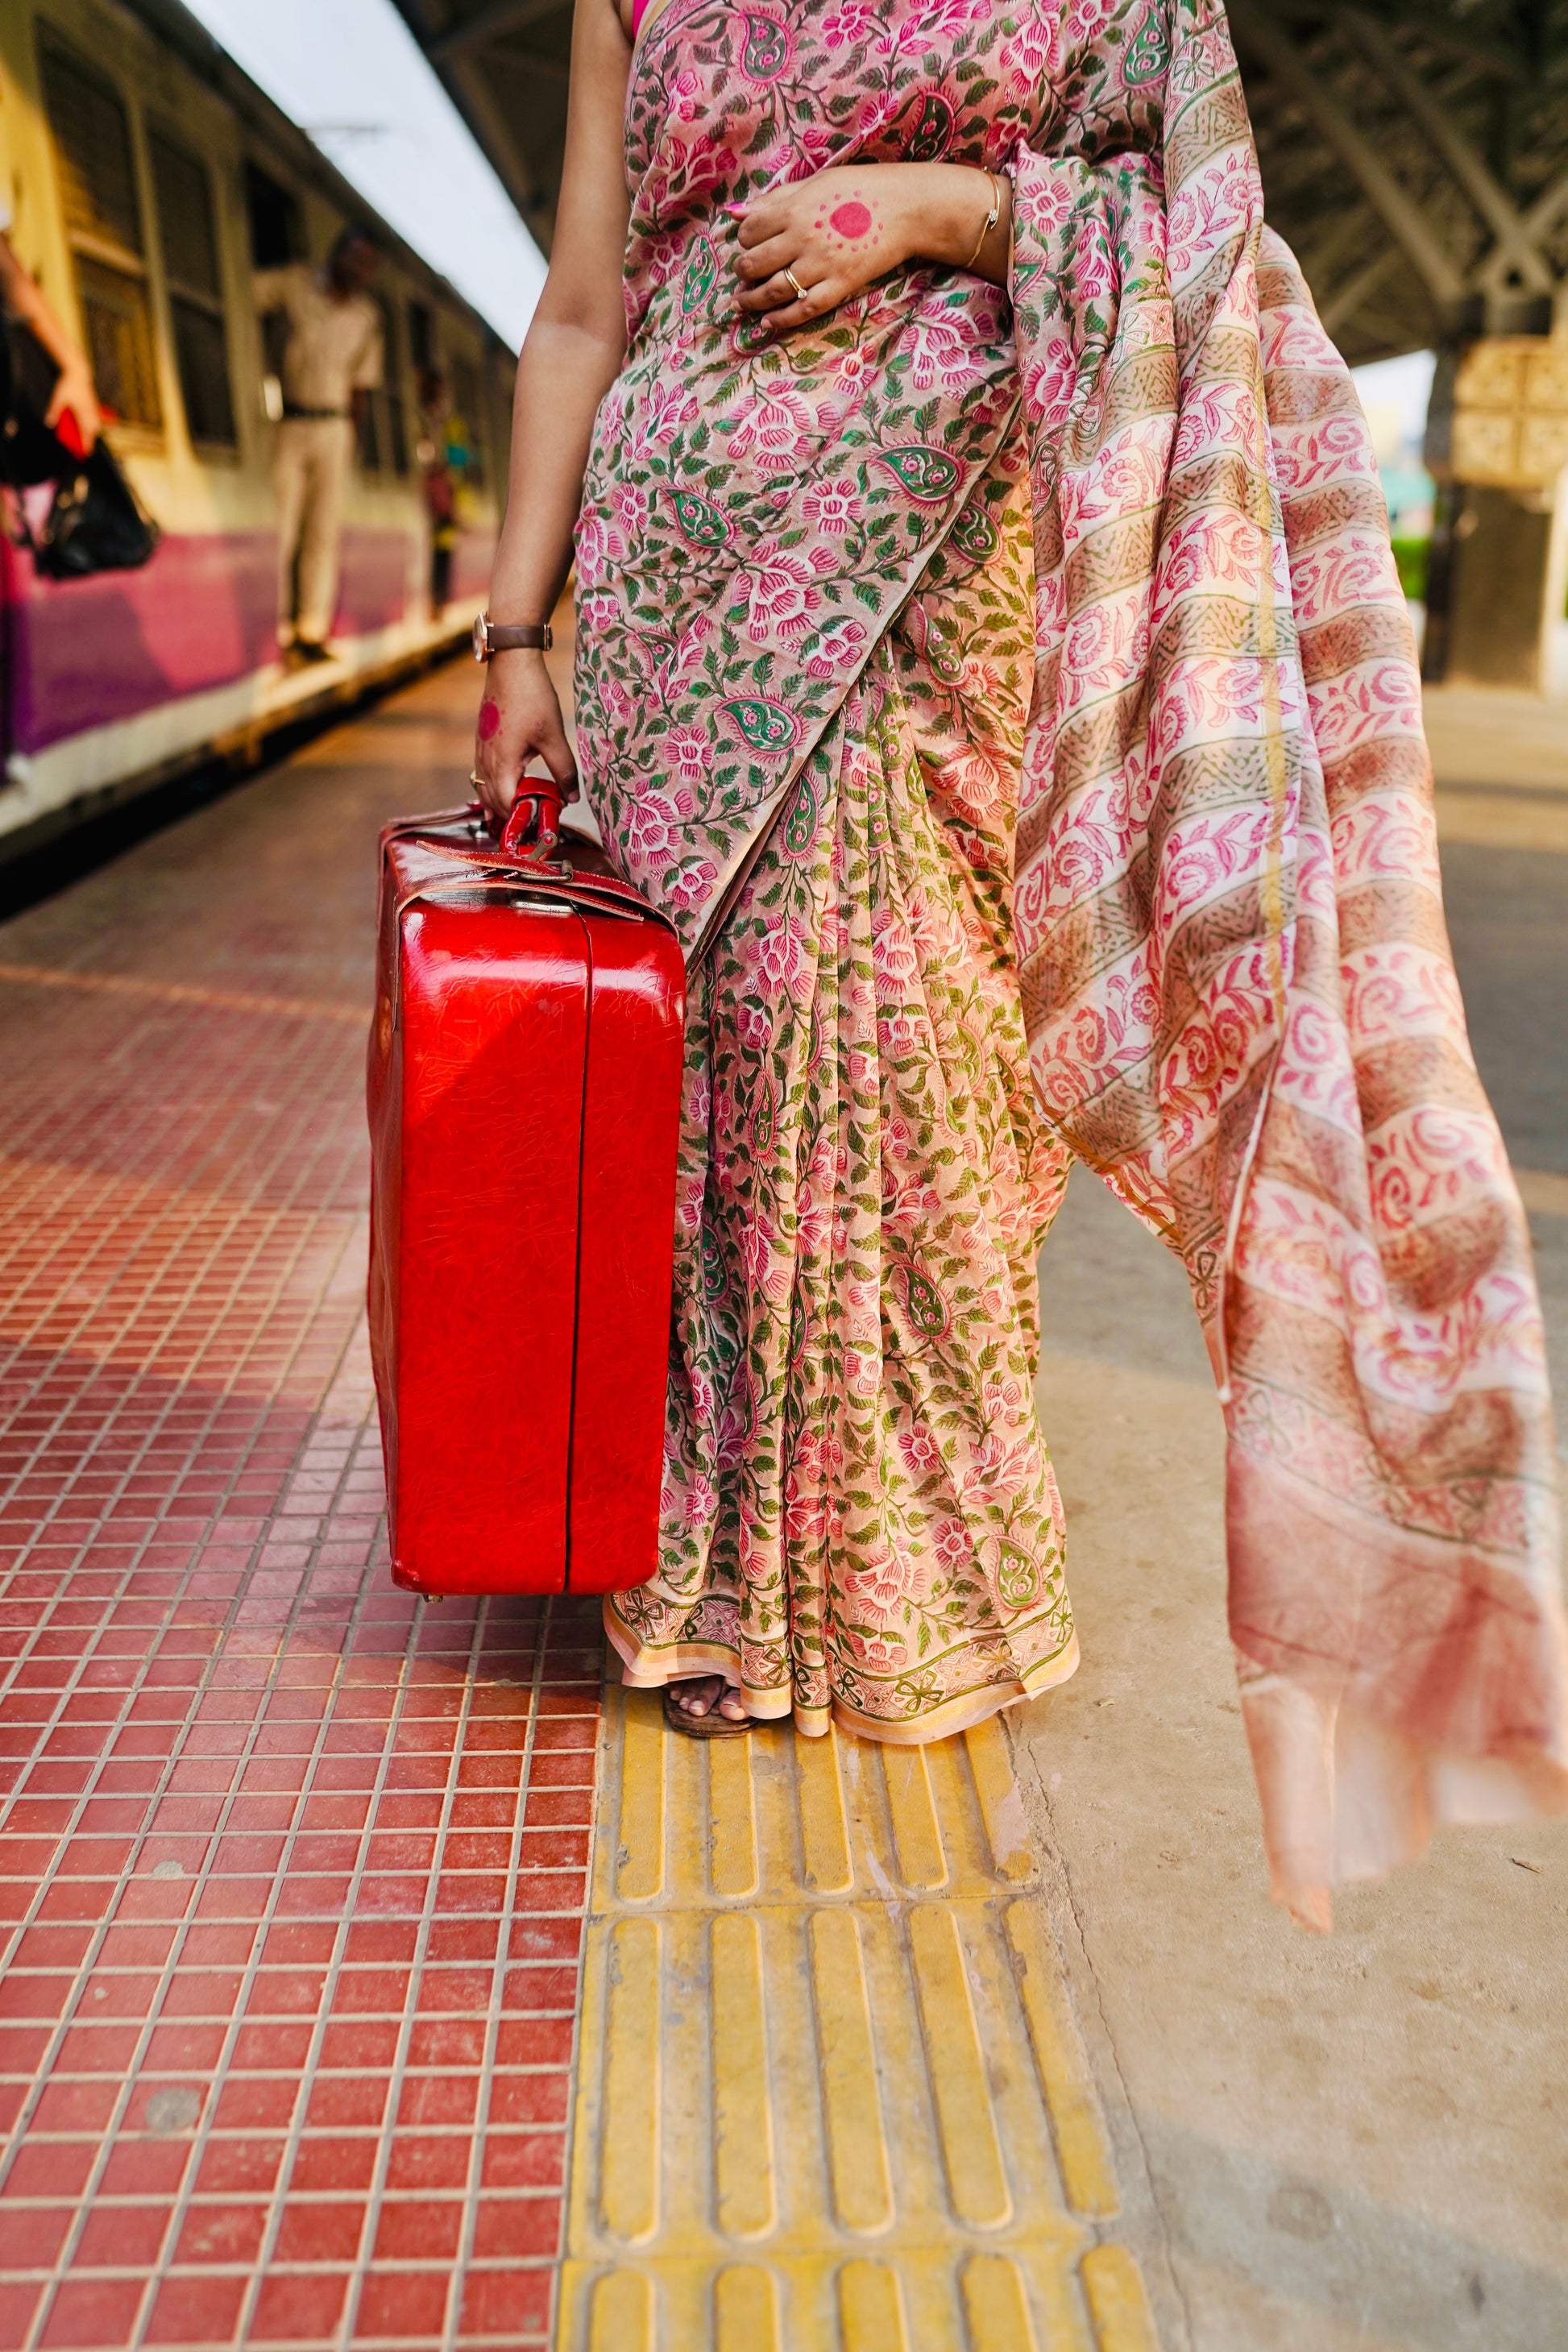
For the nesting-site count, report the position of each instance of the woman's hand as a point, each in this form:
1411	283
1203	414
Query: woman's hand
519	720
74	389
838	231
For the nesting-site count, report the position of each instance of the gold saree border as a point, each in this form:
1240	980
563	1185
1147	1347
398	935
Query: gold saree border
645	1669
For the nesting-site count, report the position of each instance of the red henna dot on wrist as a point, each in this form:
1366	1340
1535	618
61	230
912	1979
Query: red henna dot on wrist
851	220
490	720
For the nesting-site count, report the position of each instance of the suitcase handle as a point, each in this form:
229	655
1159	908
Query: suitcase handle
536	809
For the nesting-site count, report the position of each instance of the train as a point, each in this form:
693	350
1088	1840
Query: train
148	178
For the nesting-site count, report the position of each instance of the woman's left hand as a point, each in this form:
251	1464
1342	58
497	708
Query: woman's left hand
836	233
74	389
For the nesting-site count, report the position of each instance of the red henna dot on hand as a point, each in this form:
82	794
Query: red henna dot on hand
490	720
851	220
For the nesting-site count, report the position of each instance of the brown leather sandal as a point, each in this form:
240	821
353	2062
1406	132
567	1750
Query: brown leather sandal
711	1726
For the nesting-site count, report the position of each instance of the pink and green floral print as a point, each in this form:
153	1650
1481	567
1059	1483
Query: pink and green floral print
860	1522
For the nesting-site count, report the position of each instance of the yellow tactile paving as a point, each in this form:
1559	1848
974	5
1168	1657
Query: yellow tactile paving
831	2095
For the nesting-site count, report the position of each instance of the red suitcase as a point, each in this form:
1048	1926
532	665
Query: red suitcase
524	1090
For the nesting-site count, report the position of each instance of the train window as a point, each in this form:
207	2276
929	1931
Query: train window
396	413
183	187
383	427
421	336
370	437
277	224
469	418
97	178
103	221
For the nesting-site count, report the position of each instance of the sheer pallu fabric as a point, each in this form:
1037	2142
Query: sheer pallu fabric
1239	996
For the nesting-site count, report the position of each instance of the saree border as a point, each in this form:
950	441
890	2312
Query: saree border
687	1661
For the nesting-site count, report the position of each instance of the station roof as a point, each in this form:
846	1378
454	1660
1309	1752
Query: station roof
505	63
1413	151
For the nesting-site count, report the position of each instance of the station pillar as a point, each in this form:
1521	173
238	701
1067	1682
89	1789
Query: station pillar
1497	446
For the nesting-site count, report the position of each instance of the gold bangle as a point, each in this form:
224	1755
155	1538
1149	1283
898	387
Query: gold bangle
992	217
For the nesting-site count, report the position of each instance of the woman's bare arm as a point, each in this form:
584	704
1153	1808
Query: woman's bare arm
571	355
23	298
854	223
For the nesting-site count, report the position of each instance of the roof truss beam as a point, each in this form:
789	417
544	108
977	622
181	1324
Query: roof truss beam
1394	207
1516	248
489	24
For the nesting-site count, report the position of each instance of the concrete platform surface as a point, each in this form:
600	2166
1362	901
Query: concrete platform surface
1501	761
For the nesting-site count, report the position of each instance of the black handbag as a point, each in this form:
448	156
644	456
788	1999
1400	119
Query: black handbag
96	522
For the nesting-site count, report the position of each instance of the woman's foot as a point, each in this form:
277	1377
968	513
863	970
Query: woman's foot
708	1694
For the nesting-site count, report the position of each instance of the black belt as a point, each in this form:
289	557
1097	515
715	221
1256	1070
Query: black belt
313	414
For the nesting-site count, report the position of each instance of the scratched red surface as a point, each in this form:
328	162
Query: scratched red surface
291	1867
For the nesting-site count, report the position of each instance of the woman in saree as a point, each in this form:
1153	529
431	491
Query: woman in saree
990	655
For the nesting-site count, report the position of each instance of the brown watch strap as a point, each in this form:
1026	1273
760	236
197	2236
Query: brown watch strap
522	636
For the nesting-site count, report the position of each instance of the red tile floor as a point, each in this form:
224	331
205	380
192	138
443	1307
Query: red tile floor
291	1867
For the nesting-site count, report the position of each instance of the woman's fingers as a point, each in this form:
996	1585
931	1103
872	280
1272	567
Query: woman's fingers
498	786
831	233
773	293
73	390
770	215
495	795
782	306
756	263
768	269
556	753
819	300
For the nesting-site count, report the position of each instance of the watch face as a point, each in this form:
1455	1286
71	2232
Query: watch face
481	636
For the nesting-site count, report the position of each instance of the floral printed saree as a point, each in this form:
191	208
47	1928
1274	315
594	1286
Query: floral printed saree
1010	696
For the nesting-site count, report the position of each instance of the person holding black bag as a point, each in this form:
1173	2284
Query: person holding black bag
72	412
51	430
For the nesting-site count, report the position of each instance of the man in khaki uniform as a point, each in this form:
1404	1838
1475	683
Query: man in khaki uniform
332	358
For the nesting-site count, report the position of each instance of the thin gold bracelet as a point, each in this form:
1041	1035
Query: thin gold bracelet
992	217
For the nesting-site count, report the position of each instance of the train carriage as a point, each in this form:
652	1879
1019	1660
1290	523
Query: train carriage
148	178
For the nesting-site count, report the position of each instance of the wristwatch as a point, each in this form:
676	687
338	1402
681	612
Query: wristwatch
526	637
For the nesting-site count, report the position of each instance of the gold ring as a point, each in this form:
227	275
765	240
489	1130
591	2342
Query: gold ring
799	289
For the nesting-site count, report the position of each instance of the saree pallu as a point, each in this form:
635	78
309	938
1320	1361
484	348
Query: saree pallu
1158	802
